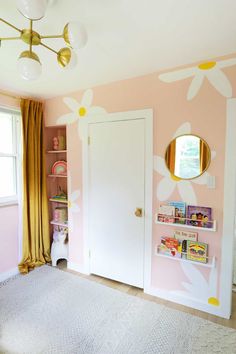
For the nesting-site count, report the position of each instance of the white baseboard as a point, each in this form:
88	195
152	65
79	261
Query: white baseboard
77	268
186	301
10	273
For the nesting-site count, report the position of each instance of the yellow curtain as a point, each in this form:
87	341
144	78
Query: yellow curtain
36	237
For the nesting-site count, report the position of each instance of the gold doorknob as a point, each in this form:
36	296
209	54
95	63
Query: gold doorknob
138	212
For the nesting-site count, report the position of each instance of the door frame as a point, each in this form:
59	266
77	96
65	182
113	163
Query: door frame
147	115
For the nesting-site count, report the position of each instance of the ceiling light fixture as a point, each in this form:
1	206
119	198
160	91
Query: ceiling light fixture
74	34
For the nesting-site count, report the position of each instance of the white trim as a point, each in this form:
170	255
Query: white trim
229	210
10	273
147	115
187	301
76	267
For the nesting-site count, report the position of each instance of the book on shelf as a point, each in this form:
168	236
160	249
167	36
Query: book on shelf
197	251
199	216
180	211
166	213
170	247
185	235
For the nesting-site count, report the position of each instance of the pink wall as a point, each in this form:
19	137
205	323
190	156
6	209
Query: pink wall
206	114
9	238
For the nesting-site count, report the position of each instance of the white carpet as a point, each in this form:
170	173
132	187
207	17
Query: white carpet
51	311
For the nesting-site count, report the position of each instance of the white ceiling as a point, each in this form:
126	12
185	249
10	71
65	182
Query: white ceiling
127	38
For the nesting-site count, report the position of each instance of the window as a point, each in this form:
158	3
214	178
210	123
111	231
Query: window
9	155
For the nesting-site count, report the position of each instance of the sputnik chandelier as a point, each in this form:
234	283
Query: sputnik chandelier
74	34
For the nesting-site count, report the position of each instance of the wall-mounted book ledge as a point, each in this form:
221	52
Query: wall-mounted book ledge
211	261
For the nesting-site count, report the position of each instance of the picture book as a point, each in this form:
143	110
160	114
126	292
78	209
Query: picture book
197	251
180	211
166	213
199	216
170	247
185	235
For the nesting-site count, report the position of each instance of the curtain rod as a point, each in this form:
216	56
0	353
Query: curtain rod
9	95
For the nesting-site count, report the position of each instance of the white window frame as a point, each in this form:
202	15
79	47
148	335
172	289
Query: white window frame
16	114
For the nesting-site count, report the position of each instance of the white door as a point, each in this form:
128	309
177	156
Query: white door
116	189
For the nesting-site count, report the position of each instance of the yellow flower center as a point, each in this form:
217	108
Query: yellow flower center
208	65
213	301
82	111
175	178
69	204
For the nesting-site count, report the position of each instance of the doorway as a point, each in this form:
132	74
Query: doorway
119	204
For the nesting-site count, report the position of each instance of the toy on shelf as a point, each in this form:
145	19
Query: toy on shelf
59	141
55	142
61	196
60	214
59	168
59	249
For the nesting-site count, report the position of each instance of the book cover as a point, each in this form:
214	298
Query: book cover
199	216
185	235
166	213
170	247
197	251
180	211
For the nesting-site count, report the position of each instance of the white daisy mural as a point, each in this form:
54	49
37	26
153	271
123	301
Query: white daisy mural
169	183
198	287
79	110
73	206
210	70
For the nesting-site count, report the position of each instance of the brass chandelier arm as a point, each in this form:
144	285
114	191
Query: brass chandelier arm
47	47
31	29
52	36
9	38
9	24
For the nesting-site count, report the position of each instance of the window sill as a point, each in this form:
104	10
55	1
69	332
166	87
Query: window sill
9	203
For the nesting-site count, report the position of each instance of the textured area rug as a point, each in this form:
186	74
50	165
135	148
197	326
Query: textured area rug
51	311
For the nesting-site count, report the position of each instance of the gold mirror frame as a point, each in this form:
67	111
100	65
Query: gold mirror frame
170	168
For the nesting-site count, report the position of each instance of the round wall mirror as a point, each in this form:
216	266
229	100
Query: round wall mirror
187	156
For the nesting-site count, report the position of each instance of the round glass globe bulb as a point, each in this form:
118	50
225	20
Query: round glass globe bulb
29	67
32	9
75	35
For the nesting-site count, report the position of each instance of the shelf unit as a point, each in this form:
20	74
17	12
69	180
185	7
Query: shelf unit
58	201
56	223
57	176
211	260
55	182
206	229
56	151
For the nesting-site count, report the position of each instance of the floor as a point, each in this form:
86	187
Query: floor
138	292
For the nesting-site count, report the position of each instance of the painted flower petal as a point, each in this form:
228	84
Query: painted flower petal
96	110
213	154
71	103
195	85
177	75
226	63
183	129
213	282
195	277
75	208
220	82
165	188
201	179
186	192
68	118
75	195
87	98
160	166
82	129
